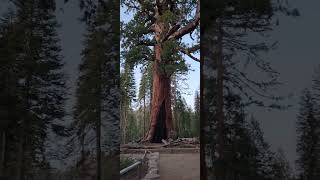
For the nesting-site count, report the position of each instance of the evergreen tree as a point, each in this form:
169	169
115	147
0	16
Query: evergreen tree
128	94
263	160
184	117
282	169
178	82
144	95
308	146
196	124
247	154
37	83
316	84
133	128
97	108
225	31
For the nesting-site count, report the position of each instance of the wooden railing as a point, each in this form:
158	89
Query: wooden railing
128	172
134	170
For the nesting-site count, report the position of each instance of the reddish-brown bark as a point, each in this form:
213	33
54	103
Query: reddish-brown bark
161	96
161	113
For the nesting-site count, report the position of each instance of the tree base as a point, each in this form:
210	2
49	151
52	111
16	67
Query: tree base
159	131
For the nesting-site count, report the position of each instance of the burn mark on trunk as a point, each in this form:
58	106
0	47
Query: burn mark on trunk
161	129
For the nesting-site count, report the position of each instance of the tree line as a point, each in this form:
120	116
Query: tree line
308	131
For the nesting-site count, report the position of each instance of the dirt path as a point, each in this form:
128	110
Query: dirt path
179	166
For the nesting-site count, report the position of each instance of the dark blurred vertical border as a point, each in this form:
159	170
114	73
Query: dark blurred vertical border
103	25
50	128
234	78
204	49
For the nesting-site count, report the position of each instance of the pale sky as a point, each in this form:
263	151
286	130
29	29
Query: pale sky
295	59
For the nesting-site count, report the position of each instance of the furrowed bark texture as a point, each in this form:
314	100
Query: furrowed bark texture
161	113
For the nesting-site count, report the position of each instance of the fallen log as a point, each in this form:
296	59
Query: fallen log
126	146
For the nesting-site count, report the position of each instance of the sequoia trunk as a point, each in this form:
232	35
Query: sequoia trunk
161	113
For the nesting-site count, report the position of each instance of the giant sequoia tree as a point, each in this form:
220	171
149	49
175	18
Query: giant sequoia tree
154	34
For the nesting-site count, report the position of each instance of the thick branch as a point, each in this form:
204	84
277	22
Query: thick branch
194	48
171	31
189	27
151	28
189	52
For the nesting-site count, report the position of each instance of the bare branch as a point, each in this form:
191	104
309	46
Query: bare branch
171	31
189	52
194	48
189	27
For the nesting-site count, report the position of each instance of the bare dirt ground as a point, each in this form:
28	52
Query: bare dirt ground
180	166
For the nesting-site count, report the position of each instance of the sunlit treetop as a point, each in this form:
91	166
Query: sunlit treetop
161	22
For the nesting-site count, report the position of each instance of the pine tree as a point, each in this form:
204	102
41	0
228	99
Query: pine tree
128	94
97	108
174	90
144	95
282	169
316	83
247	154
308	146
196	124
37	83
132	133
225	31
184	117
263	159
